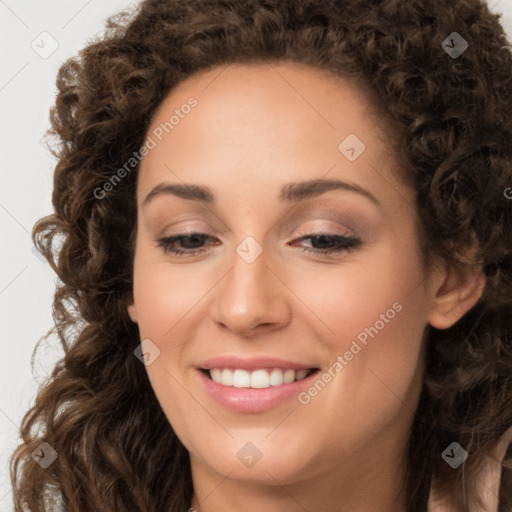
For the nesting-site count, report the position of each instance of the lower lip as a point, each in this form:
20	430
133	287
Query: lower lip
253	400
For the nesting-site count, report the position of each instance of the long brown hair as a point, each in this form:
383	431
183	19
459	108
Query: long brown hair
451	122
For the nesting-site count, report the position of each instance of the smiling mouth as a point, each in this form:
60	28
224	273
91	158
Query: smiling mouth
260	378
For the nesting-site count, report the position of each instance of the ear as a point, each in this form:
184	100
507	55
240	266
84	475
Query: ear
132	310
458	293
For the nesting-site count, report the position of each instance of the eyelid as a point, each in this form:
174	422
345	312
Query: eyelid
341	230
335	221
189	229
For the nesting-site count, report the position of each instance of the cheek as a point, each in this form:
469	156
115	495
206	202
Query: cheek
375	321
166	298
348	299
165	294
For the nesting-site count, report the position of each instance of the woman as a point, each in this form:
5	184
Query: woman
286	256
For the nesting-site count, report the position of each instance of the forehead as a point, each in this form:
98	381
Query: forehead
286	86
268	123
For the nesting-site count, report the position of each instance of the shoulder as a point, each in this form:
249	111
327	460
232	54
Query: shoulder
489	480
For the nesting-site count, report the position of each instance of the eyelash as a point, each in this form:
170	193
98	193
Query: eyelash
345	243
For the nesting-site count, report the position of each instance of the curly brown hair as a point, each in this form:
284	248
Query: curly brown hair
452	127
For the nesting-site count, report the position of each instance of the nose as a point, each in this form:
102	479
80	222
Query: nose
252	297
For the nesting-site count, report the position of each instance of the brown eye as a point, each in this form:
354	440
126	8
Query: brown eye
330	243
190	243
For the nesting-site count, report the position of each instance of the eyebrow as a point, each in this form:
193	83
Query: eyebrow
291	192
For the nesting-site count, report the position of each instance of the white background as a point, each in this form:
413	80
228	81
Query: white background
27	90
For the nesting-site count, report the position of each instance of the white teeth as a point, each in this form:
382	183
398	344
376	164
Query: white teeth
260	379
226	378
300	374
276	377
257	379
241	379
289	376
216	374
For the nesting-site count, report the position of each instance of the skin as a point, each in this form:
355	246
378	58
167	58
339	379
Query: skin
255	128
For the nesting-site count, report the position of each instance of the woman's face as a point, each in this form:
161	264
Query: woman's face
251	302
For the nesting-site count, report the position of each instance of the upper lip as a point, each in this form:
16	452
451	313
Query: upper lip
252	363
